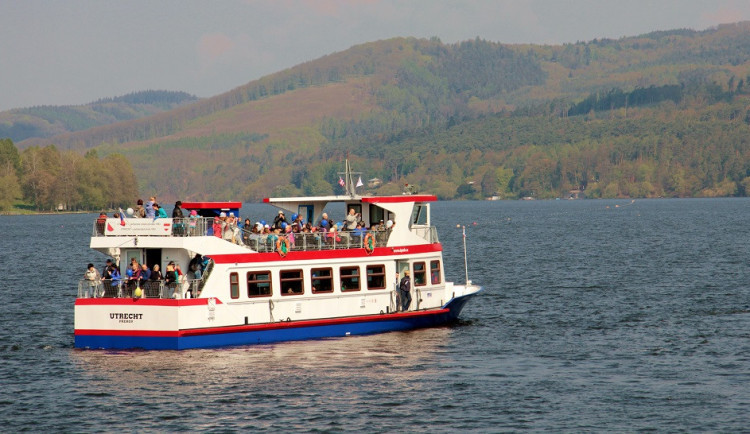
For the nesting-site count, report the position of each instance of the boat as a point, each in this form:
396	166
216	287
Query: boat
258	289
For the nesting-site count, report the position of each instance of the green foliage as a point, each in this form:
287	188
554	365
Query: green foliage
48	179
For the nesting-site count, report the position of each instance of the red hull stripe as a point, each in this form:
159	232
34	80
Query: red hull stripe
325	254
143	302
261	327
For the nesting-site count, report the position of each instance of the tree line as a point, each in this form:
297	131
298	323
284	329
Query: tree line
46	179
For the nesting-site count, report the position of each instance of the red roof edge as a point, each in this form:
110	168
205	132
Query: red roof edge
401	199
211	205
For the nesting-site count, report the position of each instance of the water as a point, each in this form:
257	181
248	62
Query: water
596	315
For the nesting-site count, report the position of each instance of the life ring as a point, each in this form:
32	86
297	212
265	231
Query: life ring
369	243
282	246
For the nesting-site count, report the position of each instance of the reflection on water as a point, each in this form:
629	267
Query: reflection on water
329	369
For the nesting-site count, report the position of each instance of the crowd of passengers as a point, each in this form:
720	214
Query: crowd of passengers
150	280
233	229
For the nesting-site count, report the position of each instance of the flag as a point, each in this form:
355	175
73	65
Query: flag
122	217
341	181
359	182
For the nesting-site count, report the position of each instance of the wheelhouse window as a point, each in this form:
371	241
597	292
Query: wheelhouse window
376	214
420	274
375	276
291	282
321	280
349	278
435	272
419	214
259	284
234	285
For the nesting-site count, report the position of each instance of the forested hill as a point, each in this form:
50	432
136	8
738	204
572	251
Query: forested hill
661	114
47	121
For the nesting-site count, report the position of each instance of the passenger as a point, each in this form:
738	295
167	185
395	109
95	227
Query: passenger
145	274
150	212
93	279
405	290
193	223
171	279
351	220
279	220
177	211
247	228
107	270
161	213
181	281
116	279
217	226
178	226
323	224
359	231
226	227
333	237
156	273
101	221
233	223
139	212
196	266
134	275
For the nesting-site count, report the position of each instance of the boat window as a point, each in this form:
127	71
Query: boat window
321	279
291	282
259	284
419	215
376	214
375	277
349	278
435	272
419	274
234	285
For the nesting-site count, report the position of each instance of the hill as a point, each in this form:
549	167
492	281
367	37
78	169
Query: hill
661	114
48	121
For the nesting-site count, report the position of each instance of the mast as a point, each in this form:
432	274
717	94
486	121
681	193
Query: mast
349	185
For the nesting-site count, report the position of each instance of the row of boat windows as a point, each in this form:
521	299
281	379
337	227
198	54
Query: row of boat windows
292	282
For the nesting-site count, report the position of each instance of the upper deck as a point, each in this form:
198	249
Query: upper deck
410	215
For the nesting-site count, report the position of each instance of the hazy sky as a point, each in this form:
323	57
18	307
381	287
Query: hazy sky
75	51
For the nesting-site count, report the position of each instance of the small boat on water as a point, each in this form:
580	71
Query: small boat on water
255	289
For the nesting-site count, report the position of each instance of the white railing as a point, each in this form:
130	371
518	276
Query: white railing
188	288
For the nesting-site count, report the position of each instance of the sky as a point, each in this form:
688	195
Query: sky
69	52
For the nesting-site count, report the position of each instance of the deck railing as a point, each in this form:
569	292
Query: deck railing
302	241
149	289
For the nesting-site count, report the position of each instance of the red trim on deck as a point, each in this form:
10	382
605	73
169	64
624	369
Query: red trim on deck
143	302
325	254
211	205
400	199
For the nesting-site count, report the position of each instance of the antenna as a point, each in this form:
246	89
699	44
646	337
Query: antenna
466	264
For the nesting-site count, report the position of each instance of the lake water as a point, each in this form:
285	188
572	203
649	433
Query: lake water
596	315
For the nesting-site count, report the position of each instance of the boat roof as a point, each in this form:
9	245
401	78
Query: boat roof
405	198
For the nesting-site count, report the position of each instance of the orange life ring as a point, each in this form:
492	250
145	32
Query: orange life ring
369	243
282	246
